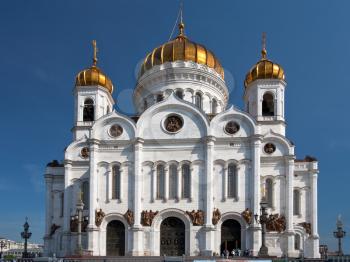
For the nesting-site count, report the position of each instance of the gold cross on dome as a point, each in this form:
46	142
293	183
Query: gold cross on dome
94	59
263	43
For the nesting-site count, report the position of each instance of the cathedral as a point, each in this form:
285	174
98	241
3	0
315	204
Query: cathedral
188	173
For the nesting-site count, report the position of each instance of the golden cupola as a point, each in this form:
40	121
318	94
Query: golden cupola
181	48
264	69
93	76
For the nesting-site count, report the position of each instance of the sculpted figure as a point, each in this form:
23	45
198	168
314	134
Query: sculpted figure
275	222
129	216
306	226
147	217
197	217
247	215
99	215
216	216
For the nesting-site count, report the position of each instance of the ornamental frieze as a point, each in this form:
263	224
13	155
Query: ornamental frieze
197	217
276	222
147	217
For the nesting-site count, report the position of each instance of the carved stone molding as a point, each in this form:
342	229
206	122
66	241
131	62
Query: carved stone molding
247	215
197	217
147	217
129	216
99	215
216	216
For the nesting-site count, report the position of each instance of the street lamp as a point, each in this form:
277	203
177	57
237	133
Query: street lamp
2	245
79	217
264	251
339	234
26	235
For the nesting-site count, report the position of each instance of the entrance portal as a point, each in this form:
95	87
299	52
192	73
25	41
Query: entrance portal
230	235
172	237
115	238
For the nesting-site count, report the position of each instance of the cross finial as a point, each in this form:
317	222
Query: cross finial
263	43
181	24
94	59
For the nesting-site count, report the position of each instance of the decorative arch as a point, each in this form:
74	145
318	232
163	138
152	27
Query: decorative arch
89	109
268	104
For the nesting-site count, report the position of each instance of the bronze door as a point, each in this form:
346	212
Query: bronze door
115	238
172	237
230	235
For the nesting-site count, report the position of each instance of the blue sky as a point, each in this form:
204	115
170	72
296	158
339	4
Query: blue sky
44	44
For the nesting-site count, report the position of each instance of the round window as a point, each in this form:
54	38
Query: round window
85	152
232	127
116	130
269	148
173	123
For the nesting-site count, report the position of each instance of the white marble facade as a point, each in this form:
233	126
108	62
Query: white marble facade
143	146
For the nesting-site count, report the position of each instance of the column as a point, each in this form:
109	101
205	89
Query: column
48	213
209	228
68	195
137	230
109	183
179	183
166	183
255	193
238	177
289	163
92	230
314	238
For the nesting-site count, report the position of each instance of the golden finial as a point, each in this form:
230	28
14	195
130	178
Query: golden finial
94	59
263	43
181	24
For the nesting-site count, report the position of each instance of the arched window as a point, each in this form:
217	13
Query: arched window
296	202
179	93
198	100
186	181
86	194
297	241
61	204
116	182
232	181
160	97
160	181
214	106
269	191
172	181
89	111
268	107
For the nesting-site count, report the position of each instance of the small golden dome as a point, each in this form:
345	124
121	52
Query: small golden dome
181	48
264	69
93	76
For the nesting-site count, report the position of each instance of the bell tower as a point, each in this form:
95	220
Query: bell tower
92	95
264	93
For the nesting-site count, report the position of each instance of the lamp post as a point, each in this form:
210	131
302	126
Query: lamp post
79	216
264	251
339	234
26	235
2	245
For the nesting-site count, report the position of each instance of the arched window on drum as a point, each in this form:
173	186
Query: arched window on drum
186	181
269	192
172	181
232	181
268	105
89	110
198	100
116	179
160	181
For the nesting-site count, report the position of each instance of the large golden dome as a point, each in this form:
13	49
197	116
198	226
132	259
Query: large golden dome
181	48
264	69
94	76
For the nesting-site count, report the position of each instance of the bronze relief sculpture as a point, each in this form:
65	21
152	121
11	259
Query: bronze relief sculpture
85	152
147	217
247	214
129	216
99	215
306	226
276	222
216	216
197	217
269	148
173	123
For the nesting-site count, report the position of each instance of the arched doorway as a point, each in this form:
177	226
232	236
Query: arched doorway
115	238
230	235
172	237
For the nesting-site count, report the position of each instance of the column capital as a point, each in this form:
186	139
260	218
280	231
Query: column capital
139	140
210	139
256	139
